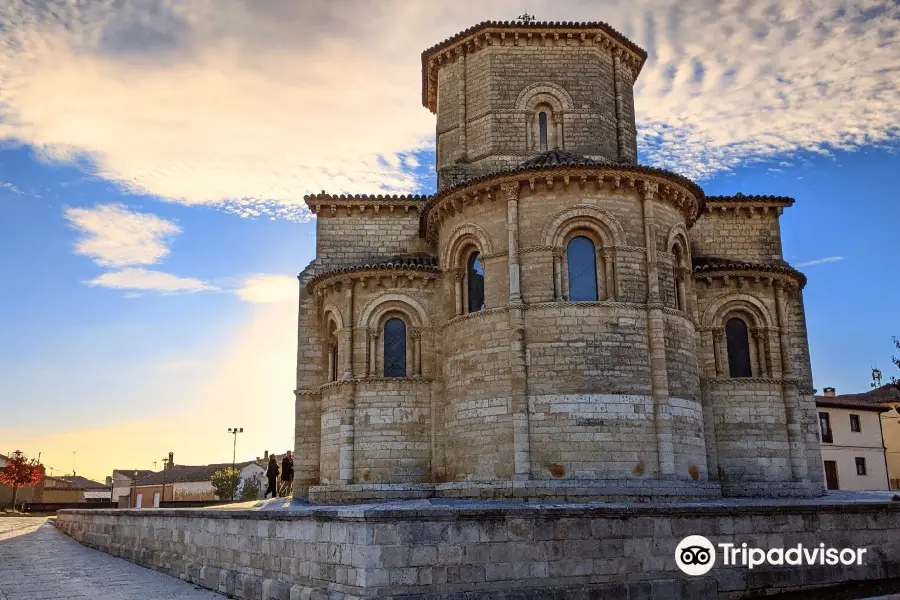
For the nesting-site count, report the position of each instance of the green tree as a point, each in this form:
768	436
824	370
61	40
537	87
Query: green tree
225	483
21	472
250	489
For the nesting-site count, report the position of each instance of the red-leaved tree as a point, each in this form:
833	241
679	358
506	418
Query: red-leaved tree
20	471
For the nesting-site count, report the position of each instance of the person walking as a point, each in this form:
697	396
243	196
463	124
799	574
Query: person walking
287	474
272	476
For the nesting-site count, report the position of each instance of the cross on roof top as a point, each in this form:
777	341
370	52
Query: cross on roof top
526	18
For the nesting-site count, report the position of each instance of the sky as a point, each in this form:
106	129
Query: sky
154	156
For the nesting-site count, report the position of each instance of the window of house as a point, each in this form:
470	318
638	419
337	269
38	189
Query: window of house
542	130
581	261
475	282
395	348
825	427
860	465
140	499
854	424
738	342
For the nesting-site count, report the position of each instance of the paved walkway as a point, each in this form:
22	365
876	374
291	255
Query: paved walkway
37	562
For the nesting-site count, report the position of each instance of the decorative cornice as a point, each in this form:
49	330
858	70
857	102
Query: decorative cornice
671	188
425	270
708	268
747	206
328	205
489	33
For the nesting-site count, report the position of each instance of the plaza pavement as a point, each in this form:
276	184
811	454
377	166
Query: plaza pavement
37	562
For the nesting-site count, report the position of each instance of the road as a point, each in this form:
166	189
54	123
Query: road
37	562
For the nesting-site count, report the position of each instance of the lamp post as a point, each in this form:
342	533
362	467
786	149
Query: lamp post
134	489
163	495
234	431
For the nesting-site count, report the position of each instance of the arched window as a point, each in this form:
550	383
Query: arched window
738	343
395	348
581	260
475	282
542	130
332	352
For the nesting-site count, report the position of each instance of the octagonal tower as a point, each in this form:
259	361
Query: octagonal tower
505	92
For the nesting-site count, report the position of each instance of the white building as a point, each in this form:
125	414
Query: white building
853	451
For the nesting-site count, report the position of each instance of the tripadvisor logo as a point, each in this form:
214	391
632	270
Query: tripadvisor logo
695	555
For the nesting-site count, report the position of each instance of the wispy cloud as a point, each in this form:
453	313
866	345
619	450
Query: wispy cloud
116	236
249	106
821	261
5	185
143	279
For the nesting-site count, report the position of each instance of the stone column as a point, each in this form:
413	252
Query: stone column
371	359
416	337
557	274
618	99
790	393
720	349
609	266
331	344
760	338
458	275
529	130
347	360
347	434
558	121
709	410
511	192
518	371
656	341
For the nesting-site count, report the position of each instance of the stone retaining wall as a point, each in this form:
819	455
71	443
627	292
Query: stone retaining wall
418	550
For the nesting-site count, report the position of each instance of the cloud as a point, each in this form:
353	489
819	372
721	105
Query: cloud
267	289
143	279
115	236
821	261
248	106
5	185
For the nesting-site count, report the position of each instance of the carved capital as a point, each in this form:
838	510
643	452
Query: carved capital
459	274
415	333
759	333
558	253
372	334
510	190
718	333
649	189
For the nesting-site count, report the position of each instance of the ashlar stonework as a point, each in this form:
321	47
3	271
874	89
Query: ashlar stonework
557	321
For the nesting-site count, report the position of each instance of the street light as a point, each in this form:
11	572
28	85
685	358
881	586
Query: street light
234	431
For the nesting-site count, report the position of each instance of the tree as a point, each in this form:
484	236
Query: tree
250	489
20	471
896	360
226	482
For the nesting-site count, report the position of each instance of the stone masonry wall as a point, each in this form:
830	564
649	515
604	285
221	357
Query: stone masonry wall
482	552
737	235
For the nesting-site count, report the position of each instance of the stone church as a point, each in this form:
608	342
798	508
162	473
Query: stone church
557	321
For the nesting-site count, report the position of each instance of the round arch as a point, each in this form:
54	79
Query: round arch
583	216
751	306
465	234
545	92
372	313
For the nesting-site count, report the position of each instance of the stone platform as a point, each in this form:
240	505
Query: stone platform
447	549
577	490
